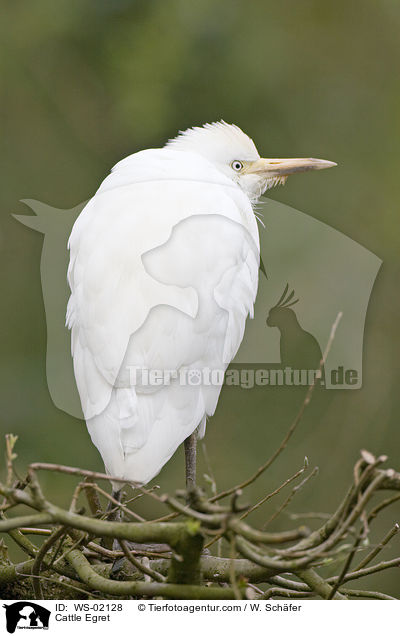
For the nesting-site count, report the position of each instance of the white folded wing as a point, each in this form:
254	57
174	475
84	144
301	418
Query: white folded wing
163	274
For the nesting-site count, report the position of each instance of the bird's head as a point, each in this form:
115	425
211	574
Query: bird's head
235	154
282	313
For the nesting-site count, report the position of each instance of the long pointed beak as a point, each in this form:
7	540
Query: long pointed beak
284	167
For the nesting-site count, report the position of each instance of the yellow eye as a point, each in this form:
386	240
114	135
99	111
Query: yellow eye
236	165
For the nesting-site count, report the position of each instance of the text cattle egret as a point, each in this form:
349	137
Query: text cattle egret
163	272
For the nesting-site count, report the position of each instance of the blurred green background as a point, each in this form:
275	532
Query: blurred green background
84	83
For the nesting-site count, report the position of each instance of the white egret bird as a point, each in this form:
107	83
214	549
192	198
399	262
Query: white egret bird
163	272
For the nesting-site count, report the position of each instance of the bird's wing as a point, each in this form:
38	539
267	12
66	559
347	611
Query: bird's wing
162	276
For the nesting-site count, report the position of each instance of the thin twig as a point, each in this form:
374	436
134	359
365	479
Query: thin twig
138	564
287	501
45	547
276	491
378	549
294	425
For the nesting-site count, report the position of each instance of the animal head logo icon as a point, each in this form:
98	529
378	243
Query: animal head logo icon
26	615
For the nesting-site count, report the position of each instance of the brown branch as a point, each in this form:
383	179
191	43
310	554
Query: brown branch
72	553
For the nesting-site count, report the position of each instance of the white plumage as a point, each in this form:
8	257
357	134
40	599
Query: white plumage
163	273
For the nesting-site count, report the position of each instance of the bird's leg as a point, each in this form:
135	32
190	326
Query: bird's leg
190	464
113	514
190	460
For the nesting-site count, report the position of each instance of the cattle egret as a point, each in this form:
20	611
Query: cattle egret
163	271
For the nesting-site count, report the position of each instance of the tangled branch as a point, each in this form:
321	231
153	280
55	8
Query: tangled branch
169	558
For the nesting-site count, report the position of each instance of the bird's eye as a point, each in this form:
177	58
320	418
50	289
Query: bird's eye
236	165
